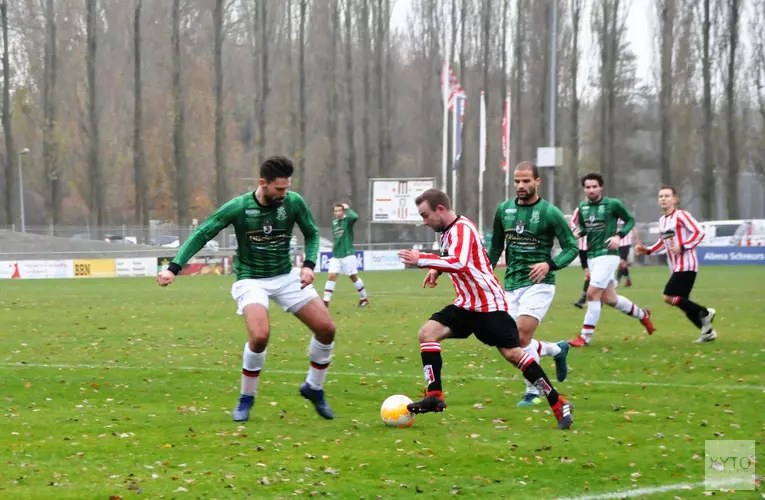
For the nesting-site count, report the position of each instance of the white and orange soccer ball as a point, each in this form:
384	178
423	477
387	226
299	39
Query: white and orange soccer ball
394	412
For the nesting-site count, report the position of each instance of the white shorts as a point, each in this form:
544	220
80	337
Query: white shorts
346	265
532	301
284	290
602	270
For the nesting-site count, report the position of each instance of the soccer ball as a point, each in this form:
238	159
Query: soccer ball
394	412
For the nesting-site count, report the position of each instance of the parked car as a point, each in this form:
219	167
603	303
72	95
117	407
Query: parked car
171	241
116	238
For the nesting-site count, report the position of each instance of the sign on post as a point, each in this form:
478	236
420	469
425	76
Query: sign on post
392	200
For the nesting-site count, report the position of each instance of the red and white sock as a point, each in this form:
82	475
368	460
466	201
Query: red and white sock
329	287
626	306
252	364
320	356
360	288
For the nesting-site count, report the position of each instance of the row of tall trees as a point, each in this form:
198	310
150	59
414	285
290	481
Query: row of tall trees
149	109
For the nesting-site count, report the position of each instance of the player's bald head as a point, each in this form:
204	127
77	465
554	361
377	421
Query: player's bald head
528	166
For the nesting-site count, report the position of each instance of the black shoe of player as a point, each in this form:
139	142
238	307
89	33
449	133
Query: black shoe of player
430	403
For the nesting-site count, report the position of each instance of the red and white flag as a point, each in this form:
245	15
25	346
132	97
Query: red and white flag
452	85
506	134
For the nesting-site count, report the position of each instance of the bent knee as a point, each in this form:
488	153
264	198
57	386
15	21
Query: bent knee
428	333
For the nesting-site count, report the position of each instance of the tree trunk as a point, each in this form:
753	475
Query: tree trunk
302	173
665	94
139	158
379	75
516	118
390	108
221	175
97	209
263	48
349	119
734	12
708	174
604	59
333	98
367	51
576	12
11	189
293	119
50	153
179	125
609	174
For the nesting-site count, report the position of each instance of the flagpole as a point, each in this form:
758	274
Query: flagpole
445	134
507	133
481	162
455	118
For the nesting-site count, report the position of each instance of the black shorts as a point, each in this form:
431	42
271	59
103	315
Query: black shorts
583	258
624	252
495	328
680	284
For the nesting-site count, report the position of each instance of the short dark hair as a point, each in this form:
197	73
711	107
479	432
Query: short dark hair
275	167
593	176
434	197
529	165
665	186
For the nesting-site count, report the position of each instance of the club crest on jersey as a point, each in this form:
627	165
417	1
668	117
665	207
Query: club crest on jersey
268	227
592	218
281	213
534	217
520	226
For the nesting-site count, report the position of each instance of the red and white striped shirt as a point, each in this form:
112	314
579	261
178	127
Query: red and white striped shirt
574	224
466	261
679	228
627	240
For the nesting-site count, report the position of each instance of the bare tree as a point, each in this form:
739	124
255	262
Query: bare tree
708	168
97	208
139	155
332	129
349	119
10	152
292	113
263	68
379	77
518	83
667	21
301	88
179	123
734	13
366	49
221	174
50	155
576	13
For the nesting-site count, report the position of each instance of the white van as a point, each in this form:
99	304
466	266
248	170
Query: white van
750	233
733	232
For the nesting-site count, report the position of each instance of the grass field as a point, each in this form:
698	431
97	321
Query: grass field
115	388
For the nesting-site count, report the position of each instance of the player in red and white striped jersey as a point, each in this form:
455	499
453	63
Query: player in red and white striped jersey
624	253
679	234
480	308
582	245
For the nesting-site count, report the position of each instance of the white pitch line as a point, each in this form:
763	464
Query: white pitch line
741	387
644	492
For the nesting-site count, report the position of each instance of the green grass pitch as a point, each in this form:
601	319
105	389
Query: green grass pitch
116	388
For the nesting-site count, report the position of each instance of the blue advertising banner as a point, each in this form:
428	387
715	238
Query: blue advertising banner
731	255
325	256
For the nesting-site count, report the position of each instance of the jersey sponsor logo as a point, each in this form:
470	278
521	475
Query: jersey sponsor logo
252	211
511	210
281	213
520	226
668	234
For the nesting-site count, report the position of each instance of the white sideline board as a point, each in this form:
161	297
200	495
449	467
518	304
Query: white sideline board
392	200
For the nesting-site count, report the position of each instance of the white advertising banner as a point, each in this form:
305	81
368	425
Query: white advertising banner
393	199
146	266
45	269
382	260
7	269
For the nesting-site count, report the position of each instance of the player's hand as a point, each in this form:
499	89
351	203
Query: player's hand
676	249
346	206
539	271
409	256
431	279
577	233
614	242
165	277
641	249
306	277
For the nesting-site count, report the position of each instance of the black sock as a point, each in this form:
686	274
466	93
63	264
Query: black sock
619	274
431	363
586	285
627	272
693	310
536	375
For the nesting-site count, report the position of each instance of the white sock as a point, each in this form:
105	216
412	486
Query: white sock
591	318
626	306
252	364
549	349
320	356
360	288
329	287
532	350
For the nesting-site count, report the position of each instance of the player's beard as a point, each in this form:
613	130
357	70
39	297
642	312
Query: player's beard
274	201
526	194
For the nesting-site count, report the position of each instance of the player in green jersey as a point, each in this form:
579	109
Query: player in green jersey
343	259
263	221
530	226
598	218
